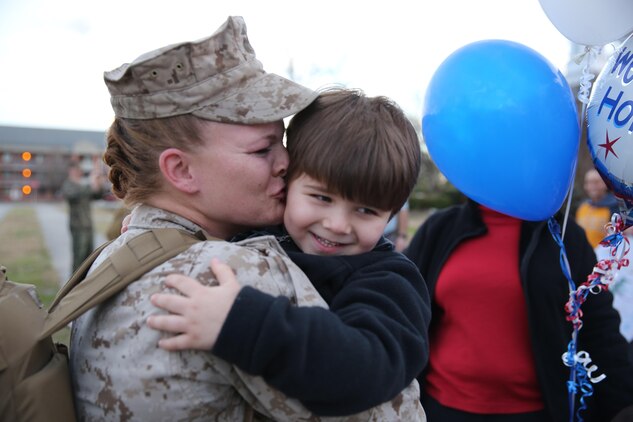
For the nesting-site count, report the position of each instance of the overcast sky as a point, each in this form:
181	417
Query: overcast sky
53	53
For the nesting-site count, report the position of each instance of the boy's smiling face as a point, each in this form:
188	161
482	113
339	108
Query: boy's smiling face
324	223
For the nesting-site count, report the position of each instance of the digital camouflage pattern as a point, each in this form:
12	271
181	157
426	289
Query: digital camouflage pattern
217	78
120	374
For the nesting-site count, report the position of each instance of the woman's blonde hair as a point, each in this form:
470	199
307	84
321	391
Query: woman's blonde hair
134	147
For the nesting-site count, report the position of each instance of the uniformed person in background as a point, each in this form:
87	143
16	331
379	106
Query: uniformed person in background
79	195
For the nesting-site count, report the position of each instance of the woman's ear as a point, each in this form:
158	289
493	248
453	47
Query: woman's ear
175	166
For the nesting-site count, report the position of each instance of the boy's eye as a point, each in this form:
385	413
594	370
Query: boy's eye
368	211
322	198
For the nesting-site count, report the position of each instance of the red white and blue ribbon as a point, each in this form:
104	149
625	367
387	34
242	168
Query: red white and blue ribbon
583	373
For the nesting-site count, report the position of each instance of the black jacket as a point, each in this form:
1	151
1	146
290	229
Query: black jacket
362	352
546	291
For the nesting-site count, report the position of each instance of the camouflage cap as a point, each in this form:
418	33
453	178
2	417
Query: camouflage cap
217	78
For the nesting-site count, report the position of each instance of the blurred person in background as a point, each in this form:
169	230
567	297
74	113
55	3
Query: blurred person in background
397	230
79	194
596	210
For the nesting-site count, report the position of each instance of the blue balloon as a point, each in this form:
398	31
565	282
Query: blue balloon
500	122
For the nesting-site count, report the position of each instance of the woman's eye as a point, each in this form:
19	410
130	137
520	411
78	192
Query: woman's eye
263	151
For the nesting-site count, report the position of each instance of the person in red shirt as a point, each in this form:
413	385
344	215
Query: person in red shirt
499	326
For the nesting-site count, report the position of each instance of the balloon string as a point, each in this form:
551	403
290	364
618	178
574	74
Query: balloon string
581	368
587	58
569	358
568	206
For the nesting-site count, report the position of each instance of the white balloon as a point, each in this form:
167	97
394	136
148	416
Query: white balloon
591	22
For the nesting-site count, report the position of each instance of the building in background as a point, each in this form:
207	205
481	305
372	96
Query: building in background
34	161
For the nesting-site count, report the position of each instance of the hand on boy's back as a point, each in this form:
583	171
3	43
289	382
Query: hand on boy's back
197	314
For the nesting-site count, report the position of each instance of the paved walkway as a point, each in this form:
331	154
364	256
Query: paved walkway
53	220
4	208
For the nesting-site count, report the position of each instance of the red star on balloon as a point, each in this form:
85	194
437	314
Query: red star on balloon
608	146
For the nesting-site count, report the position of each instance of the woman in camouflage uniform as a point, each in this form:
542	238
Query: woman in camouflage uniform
197	142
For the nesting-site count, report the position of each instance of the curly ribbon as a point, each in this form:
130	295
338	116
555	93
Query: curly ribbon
579	362
585	59
584	379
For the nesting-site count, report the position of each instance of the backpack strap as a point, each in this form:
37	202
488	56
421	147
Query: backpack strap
127	264
79	274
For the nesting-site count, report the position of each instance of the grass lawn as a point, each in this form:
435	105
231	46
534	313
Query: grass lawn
26	258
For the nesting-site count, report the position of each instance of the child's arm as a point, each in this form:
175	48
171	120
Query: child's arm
362	352
197	316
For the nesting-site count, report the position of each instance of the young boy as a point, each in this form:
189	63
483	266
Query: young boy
353	163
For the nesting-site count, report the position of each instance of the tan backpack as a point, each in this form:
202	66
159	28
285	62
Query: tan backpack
34	376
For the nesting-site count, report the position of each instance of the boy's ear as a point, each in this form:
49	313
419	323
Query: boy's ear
175	166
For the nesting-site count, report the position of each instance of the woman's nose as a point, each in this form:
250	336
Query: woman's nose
280	165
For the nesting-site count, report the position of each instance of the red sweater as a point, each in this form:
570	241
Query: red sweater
480	353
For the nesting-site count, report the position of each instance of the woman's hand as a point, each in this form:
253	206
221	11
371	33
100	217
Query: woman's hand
196	316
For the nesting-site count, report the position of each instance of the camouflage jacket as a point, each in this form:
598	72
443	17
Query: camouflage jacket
120	374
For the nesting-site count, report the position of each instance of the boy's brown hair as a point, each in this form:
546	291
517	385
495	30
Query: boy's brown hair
363	148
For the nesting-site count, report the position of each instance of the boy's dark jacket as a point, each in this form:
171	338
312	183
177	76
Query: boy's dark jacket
546	292
370	345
